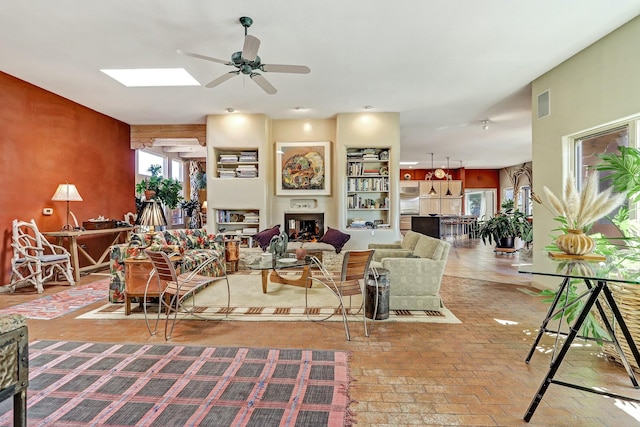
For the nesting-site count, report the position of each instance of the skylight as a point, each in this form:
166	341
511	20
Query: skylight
147	77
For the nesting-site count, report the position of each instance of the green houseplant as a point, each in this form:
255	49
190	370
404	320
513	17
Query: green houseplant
505	226
167	190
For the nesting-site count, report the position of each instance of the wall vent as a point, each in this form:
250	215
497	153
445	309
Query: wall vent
544	104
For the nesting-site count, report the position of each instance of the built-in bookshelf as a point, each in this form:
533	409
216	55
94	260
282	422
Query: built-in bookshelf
240	224
368	188
237	164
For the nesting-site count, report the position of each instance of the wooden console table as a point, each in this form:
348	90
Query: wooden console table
75	249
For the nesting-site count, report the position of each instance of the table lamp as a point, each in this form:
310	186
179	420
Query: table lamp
204	206
67	193
151	215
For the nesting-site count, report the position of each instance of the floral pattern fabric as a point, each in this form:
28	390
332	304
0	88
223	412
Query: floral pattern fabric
194	245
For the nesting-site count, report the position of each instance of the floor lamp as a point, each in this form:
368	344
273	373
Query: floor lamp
67	193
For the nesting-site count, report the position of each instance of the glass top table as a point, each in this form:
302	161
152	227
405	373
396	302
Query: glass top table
282	264
596	275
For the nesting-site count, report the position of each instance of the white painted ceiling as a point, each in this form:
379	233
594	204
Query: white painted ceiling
444	65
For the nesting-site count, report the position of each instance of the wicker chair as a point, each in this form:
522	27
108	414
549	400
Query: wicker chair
35	260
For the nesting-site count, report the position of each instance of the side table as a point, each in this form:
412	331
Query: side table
14	364
136	273
232	253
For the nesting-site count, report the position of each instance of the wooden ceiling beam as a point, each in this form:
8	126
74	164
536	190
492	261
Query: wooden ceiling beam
144	136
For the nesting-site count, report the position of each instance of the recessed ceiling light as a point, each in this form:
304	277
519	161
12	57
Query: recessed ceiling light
147	77
368	107
408	163
300	109
230	109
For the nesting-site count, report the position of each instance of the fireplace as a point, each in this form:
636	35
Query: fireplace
307	227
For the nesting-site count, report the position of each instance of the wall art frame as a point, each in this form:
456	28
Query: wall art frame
303	168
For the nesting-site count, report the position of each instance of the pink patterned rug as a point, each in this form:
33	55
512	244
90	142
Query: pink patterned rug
61	303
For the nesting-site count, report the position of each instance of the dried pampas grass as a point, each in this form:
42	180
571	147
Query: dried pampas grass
581	209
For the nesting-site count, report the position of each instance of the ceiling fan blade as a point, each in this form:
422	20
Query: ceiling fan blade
206	58
223	78
250	48
263	83
280	68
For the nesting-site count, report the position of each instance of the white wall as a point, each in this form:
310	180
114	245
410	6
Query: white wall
596	86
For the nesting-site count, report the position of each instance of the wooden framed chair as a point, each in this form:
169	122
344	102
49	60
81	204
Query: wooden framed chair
35	260
178	288
349	282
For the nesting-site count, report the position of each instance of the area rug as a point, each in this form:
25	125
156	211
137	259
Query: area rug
61	303
94	384
280	303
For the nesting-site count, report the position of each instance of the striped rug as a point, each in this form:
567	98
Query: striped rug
61	303
96	384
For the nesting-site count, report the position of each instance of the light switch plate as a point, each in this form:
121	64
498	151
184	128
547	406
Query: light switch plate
47	211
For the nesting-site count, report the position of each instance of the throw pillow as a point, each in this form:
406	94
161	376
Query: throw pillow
264	237
335	238
428	247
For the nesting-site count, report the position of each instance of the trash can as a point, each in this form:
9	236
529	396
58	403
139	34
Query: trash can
380	276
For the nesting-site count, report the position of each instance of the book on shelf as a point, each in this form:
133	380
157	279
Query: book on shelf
249	230
246	171
248	156
228	158
252	218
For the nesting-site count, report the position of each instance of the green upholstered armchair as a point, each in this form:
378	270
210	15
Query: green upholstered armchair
414	275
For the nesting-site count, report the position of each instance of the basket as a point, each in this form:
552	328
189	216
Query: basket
627	296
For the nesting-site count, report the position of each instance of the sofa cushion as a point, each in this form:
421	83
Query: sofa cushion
192	238
409	240
264	237
335	238
428	247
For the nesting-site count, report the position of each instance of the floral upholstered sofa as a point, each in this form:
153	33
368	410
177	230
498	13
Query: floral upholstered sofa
194	245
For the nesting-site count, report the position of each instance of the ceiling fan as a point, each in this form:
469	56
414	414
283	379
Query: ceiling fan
248	62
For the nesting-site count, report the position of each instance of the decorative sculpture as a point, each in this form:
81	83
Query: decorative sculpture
278	245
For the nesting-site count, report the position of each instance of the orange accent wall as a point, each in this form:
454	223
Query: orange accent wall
48	140
482	178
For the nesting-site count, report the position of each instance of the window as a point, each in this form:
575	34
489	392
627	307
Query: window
145	159
586	150
177	170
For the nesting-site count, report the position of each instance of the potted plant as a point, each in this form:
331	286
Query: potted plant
167	190
505	226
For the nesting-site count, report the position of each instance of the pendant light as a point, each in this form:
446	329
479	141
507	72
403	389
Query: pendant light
432	192
448	193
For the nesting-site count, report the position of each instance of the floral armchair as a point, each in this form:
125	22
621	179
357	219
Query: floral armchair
194	245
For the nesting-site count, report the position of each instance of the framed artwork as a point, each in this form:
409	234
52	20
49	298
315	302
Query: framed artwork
303	168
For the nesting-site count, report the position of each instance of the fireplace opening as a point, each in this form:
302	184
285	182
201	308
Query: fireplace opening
304	227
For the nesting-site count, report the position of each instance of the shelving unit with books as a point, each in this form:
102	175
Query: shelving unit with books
239	224
237	164
368	188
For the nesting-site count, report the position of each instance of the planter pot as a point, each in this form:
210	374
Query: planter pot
149	194
506	242
575	242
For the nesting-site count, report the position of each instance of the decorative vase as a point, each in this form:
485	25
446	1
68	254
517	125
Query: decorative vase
575	242
148	194
301	253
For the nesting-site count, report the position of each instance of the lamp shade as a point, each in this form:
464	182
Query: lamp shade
151	214
67	193
204	205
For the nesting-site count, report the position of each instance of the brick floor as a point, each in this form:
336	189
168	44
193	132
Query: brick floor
471	373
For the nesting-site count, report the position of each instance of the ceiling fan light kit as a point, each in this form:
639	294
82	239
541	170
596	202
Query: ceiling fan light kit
249	63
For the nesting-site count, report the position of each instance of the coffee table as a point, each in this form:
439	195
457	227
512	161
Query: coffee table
279	264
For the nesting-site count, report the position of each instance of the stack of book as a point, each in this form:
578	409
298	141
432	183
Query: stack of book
246	171
357	223
228	158
248	156
252	218
249	230
227	173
